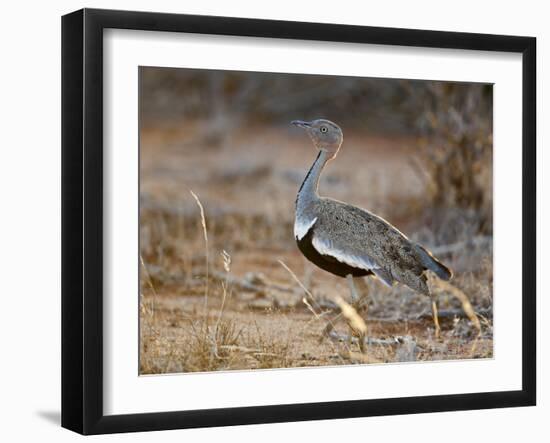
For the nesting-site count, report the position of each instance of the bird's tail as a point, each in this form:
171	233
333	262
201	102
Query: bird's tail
433	264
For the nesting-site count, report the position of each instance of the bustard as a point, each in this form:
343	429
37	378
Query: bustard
352	242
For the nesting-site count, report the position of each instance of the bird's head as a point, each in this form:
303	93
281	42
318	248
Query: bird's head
326	136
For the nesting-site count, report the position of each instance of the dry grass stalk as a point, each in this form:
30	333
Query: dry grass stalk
227	266
205	235
356	323
306	290
354	320
311	309
150	284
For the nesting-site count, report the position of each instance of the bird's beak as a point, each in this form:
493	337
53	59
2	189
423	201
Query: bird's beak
301	123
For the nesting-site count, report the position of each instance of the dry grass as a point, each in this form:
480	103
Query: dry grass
214	295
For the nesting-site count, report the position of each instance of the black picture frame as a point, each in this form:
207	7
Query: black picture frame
82	220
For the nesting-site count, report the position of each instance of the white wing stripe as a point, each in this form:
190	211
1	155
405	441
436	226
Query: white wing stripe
327	248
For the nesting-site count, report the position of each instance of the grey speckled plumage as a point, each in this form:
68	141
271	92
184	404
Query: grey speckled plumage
344	239
363	238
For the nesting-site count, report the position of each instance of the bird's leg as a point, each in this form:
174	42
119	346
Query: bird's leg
362	304
353	290
435	317
433	298
357	304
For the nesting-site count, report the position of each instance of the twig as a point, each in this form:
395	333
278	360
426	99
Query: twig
479	242
247	285
445	313
393	341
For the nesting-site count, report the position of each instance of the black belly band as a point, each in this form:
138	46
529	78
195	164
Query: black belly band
327	262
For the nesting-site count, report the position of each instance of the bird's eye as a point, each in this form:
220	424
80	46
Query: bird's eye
324	129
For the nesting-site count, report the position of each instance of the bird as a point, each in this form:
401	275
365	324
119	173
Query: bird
352	242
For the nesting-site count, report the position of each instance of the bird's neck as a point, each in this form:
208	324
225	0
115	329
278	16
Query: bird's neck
308	192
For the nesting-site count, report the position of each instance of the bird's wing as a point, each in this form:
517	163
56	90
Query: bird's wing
359	238
330	243
328	246
350	256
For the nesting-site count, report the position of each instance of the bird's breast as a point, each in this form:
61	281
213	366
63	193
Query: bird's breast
302	225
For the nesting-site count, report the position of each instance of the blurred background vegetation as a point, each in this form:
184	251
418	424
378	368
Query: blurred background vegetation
451	121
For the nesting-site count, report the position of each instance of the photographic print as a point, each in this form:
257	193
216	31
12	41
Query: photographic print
299	220
321	207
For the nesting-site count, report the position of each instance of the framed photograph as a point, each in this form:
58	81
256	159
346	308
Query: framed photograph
269	221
